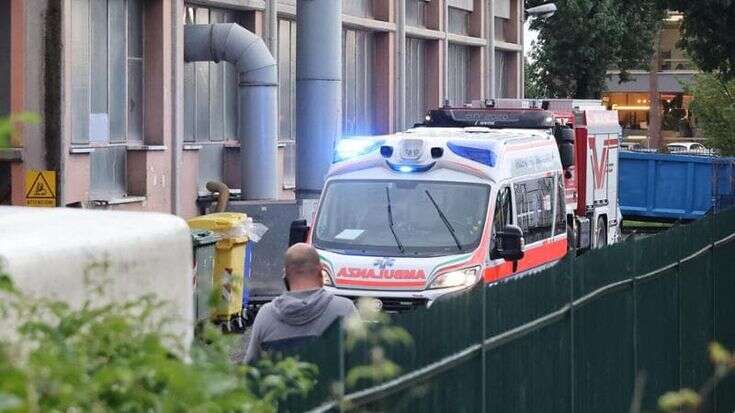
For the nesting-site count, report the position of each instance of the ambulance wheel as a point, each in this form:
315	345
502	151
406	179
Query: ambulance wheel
601	240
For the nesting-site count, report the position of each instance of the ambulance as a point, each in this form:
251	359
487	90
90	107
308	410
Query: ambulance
472	195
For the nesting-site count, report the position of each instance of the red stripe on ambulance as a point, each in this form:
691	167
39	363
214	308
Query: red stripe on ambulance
534	257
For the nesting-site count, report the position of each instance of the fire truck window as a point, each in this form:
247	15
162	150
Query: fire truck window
534	199
503	210
561	223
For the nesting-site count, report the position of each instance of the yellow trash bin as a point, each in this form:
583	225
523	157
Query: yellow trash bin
229	263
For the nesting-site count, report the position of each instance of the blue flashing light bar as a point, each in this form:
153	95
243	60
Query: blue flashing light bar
483	156
347	149
410	168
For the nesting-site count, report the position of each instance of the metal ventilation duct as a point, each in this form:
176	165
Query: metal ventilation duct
258	98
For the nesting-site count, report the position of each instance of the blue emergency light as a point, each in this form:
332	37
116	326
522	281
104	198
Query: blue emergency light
351	148
410	168
480	155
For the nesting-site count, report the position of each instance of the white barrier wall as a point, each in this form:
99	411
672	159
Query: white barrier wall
50	252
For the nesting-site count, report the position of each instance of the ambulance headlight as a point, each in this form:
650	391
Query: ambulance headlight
326	278
460	278
351	148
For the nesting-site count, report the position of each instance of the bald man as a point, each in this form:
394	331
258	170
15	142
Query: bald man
302	312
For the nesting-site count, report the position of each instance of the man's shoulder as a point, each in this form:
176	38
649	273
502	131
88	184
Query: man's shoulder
265	313
343	306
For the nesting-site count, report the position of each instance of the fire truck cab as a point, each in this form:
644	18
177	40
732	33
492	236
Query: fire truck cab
472	195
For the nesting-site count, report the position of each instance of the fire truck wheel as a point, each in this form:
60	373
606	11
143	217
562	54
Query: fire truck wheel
601	240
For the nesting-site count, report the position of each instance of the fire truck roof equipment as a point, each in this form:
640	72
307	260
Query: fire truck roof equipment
490	117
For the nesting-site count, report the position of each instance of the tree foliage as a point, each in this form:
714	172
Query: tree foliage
534	89
708	34
578	44
713	107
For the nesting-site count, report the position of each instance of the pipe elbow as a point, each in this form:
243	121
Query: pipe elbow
247	51
235	44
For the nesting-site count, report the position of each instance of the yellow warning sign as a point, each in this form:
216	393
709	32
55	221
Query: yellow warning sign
41	188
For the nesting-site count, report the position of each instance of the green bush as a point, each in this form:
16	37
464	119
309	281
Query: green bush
114	357
10	124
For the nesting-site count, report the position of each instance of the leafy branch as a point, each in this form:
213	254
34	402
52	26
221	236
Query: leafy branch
689	400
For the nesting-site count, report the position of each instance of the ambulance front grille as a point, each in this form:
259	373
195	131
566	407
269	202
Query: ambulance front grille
394	305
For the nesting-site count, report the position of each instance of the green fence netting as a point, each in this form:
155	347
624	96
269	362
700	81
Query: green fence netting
576	337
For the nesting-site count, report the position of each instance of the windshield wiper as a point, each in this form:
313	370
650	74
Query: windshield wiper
452	232
390	222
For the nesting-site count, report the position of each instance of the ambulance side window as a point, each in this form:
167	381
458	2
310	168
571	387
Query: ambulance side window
561	213
503	214
534	201
503	210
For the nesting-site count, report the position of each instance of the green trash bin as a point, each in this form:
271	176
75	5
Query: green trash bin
204	252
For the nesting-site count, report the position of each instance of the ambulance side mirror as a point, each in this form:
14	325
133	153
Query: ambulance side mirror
564	136
298	232
509	244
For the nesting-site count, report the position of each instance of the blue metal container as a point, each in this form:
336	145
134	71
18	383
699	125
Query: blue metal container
673	187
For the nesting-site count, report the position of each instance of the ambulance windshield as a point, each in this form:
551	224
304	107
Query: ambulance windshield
355	217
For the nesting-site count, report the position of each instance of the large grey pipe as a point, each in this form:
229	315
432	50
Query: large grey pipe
318	91
258	97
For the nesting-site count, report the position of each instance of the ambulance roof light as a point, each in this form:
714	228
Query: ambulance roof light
353	147
410	168
480	155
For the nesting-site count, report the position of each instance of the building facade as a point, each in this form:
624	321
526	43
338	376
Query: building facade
126	124
675	70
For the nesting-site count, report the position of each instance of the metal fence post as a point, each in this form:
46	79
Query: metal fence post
713	274
342	356
635	311
482	354
572	364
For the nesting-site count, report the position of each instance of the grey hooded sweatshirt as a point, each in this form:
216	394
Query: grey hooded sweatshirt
294	317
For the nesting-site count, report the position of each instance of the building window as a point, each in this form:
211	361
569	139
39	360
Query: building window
357	75
458	74
505	74
287	99
108	177
415	81
107	69
459	21
360	8
416	12
505	16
